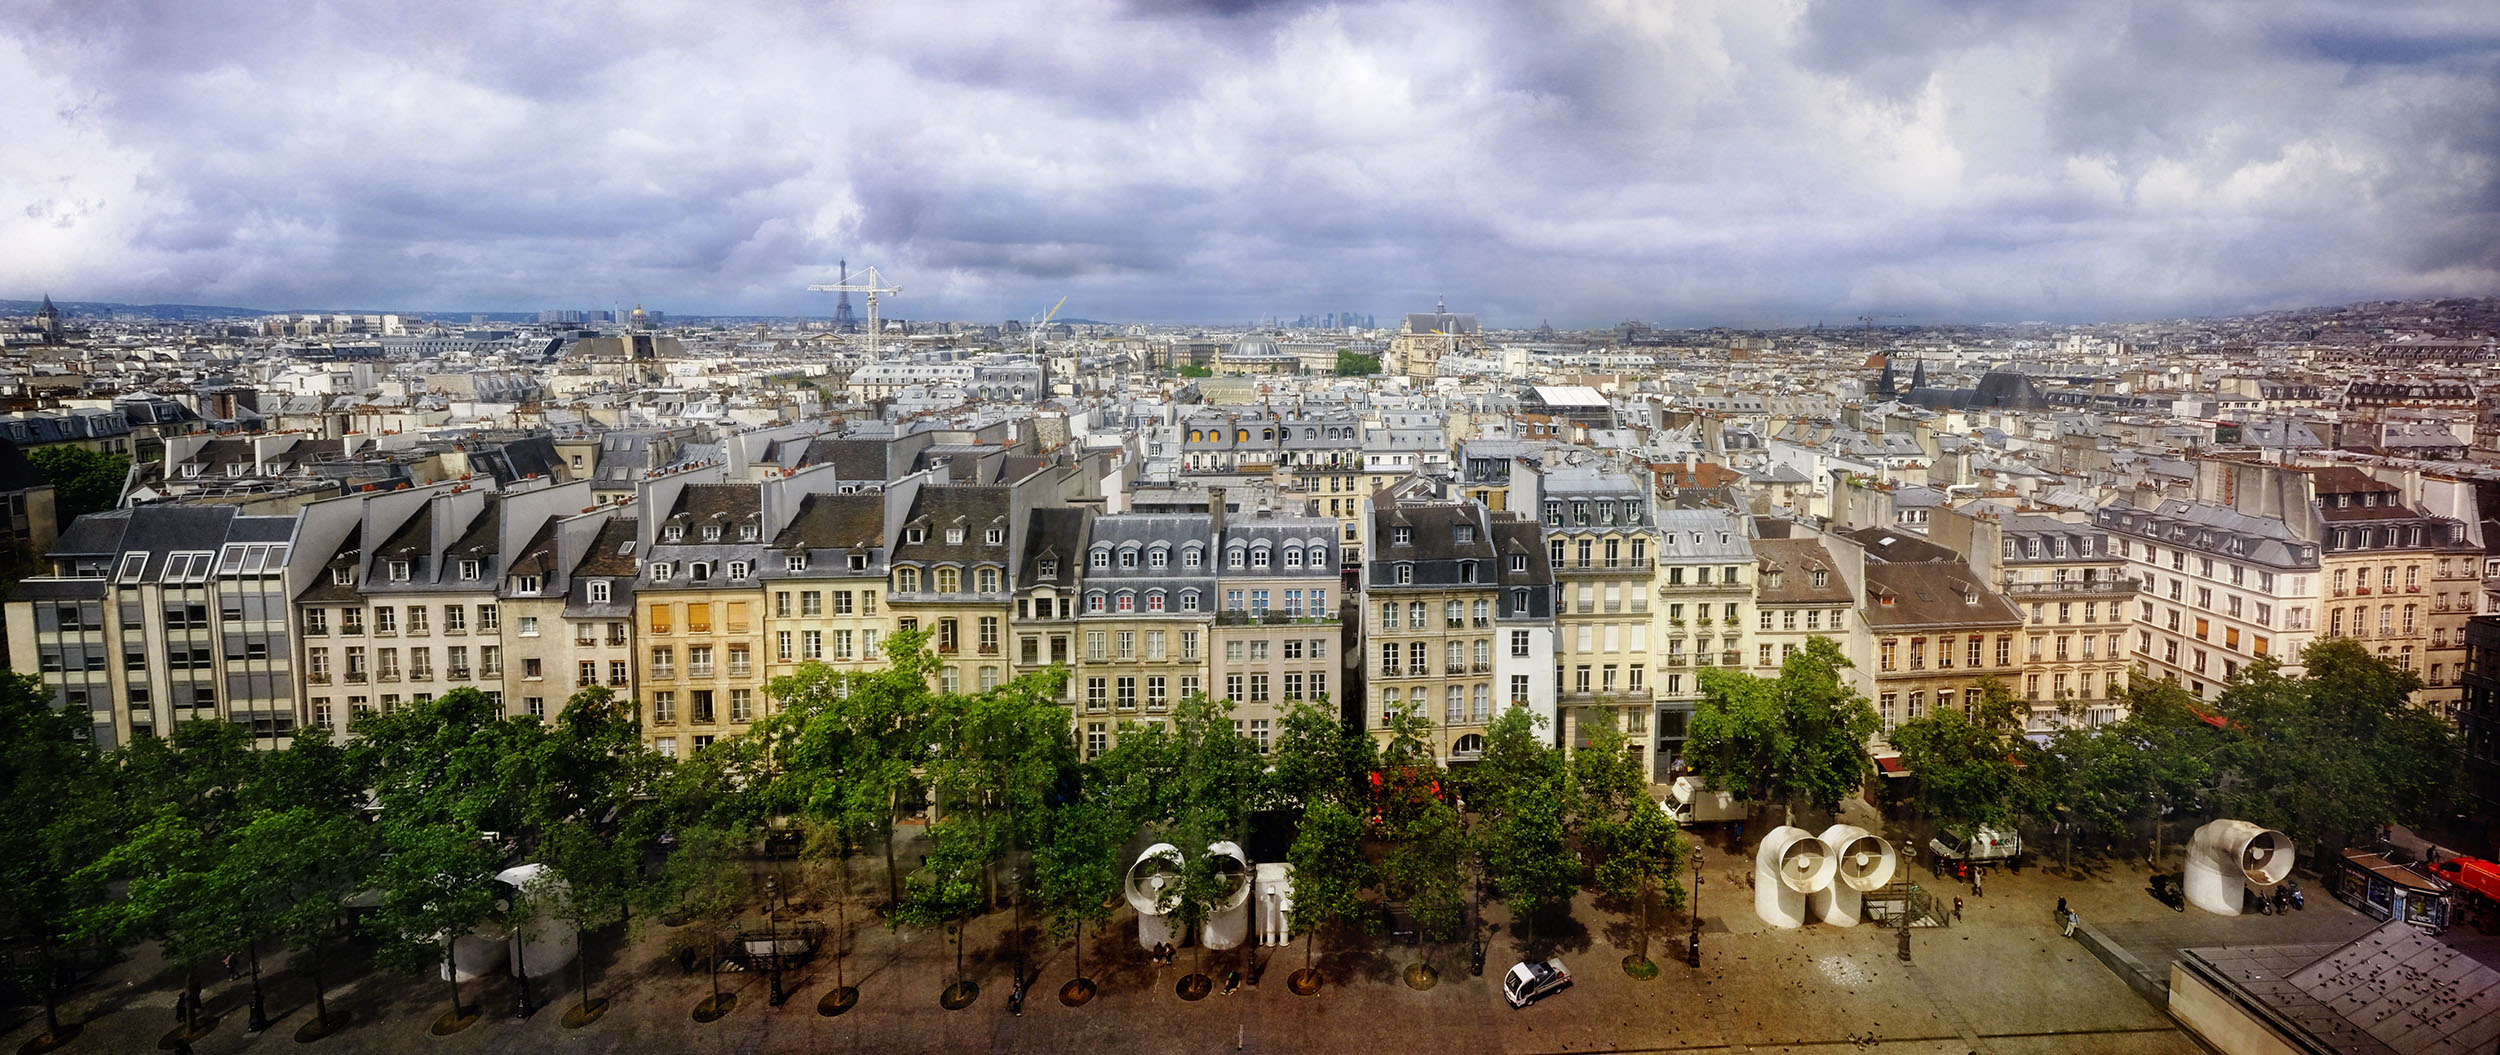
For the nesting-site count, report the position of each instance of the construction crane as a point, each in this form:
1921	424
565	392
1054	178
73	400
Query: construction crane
1033	335
872	284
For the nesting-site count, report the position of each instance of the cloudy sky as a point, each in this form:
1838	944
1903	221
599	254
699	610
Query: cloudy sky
1747	162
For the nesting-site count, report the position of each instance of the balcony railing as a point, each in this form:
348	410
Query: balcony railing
458	673
318	677
355	677
2095	587
1419	670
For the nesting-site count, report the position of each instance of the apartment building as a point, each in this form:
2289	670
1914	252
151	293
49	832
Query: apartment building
598	613
950	575
1801	591
1274	641
1601	547
701	603
1046	590
152	616
1429	605
2386	588
1937	629
1705	593
2077	601
824	575
1147	603
1523	625
2217	587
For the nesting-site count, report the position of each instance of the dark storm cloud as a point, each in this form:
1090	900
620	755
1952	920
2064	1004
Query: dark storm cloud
1688	162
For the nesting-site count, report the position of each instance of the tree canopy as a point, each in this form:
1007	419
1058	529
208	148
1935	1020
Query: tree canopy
1798	737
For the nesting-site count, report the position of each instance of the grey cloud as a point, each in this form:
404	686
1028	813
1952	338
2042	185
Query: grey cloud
1694	162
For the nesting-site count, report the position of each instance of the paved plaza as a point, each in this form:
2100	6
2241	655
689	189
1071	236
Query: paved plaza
2002	980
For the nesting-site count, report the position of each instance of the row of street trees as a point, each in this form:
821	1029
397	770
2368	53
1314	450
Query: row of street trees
2336	751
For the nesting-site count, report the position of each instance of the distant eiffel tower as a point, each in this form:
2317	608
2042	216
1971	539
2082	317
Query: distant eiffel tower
843	320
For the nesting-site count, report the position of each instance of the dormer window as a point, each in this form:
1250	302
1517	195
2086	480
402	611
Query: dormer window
525	584
954	536
1464	534
1819	578
748	532
699	571
711	532
1518	562
907	580
1189	557
673	533
1771	579
996	536
739	569
915	535
1046	569
1406	574
470	570
599	591
1401	535
661	571
1233	557
399	571
1098	559
1466	571
344	575
795	563
1128	558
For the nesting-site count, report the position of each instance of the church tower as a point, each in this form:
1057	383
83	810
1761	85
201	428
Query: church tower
48	319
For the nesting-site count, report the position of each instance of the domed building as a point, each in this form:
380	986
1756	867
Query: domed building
1257	355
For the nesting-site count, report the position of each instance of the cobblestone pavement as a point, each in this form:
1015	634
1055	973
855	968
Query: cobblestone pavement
2002	980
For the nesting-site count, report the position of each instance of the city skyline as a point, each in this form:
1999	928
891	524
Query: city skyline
1699	165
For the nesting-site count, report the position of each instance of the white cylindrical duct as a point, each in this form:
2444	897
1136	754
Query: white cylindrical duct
1149	893
2227	858
1789	865
1862	861
1228	916
476	954
1275	903
548	942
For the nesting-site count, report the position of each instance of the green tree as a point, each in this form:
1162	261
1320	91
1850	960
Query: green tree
1356	364
1425	839
59	822
452	781
592	819
1194	371
1520	789
1193	779
1632	843
2334	752
1330	874
83	481
1077	870
847	746
946	891
1318	758
183	799
702	881
1800	736
1964	766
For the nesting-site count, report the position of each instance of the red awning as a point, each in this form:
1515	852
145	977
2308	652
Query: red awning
1890	765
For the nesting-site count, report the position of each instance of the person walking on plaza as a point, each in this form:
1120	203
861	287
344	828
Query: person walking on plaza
1957	910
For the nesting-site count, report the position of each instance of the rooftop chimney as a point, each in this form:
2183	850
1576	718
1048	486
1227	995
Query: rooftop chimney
1215	508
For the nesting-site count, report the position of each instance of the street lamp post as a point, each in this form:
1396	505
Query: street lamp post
772	935
1692	942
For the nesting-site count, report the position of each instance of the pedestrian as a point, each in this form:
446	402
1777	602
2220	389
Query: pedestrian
231	973
1957	910
2070	923
2061	907
1975	889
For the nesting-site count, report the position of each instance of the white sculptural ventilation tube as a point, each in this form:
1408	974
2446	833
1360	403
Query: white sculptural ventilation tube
1789	865
2227	858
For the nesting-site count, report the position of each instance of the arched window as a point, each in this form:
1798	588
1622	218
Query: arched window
1189	600
1190	556
1154	600
1258	556
1128	600
949	580
1241	436
1232	557
907	580
1468	746
699	571
1094	601
1319	555
989	580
